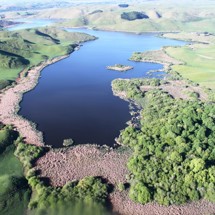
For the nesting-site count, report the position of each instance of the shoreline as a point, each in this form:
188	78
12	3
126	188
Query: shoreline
120	68
56	165
11	97
121	31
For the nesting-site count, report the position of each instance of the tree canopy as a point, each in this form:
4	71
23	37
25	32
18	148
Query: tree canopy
174	148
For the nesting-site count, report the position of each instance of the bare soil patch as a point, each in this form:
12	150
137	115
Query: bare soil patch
179	90
64	165
122	204
75	163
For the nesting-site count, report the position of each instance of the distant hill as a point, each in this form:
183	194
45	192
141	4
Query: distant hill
5	23
23	49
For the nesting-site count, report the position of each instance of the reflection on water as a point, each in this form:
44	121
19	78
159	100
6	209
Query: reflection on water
74	98
28	23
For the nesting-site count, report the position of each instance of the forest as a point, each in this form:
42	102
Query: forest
22	189
173	147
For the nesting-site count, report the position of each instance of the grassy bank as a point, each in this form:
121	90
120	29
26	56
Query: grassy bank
26	48
14	191
198	59
194	61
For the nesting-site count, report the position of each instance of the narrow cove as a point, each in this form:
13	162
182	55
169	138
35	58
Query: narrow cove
74	99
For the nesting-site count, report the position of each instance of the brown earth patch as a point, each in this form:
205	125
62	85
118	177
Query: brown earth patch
179	90
64	165
75	163
122	204
157	56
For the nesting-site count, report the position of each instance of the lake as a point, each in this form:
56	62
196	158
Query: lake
74	99
31	23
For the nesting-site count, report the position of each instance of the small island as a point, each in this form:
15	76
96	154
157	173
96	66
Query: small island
120	67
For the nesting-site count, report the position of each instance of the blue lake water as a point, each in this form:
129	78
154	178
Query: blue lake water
28	23
74	98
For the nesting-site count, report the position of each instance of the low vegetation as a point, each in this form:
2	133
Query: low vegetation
157	56
120	67
130	16
86	196
173	158
26	48
199	70
14	191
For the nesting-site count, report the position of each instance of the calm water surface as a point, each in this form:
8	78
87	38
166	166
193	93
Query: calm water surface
28	23
74	98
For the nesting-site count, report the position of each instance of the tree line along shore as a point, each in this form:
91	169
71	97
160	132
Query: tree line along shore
172	142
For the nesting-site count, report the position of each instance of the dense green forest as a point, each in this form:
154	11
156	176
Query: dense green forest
173	146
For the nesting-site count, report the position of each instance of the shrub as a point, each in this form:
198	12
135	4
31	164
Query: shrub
121	187
140	193
68	142
174	156
123	5
130	16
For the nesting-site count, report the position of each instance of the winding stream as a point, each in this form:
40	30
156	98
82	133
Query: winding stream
74	98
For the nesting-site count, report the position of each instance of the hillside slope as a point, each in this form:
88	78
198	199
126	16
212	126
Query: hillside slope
26	48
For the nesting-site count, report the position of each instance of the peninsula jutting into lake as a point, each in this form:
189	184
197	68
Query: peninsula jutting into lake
107	108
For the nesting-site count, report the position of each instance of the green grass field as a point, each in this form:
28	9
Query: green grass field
26	48
198	63
194	61
14	193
